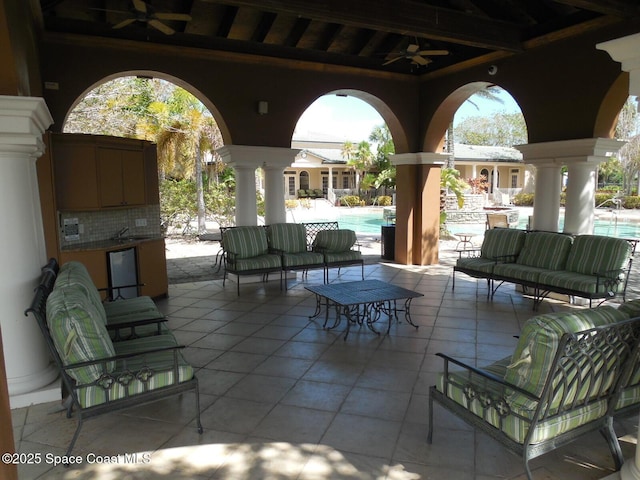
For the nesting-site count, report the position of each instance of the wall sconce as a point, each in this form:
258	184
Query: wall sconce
263	107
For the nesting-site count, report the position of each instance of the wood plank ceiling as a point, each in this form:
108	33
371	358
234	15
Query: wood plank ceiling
383	35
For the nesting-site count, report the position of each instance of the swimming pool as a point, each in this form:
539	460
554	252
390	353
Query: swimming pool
368	221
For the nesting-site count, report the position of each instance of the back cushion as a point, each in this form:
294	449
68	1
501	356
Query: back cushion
594	253
545	250
502	241
539	340
287	237
78	333
246	242
75	275
334	241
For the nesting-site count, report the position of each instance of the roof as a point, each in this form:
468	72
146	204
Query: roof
476	153
411	37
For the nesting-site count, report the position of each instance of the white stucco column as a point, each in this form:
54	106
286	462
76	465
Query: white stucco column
626	50
581	192
582	156
245	159
23	121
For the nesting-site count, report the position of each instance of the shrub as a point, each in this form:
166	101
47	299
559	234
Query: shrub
631	202
384	200
350	201
602	197
523	199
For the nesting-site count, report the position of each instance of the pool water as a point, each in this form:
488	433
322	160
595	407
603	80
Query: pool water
369	222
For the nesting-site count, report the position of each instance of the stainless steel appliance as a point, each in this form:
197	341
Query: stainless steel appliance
123	273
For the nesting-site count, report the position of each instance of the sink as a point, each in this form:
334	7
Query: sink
135	238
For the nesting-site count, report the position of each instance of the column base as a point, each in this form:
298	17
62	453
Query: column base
48	393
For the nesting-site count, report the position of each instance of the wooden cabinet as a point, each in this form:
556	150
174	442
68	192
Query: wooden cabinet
93	172
75	173
152	268
121	177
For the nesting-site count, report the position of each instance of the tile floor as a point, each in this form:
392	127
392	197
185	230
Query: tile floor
282	398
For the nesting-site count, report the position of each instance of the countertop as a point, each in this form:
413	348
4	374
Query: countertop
111	244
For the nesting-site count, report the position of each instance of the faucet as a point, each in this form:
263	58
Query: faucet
120	233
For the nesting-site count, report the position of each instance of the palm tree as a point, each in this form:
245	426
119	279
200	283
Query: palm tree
362	161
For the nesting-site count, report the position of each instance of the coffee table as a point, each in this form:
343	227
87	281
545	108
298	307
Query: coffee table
362	302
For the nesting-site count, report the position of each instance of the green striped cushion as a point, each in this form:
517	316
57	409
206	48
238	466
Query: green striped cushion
538	344
292	260
515	423
78	332
245	242
159	367
593	253
545	250
287	237
502	241
261	262
339	240
578	282
631	308
479	264
340	257
518	272
75	274
127	306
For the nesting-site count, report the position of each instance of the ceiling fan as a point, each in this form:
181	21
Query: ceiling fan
417	56
147	14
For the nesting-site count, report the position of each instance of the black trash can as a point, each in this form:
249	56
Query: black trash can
388	242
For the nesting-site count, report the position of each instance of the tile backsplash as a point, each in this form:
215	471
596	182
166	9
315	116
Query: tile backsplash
104	224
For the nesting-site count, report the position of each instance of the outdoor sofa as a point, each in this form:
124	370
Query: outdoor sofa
586	266
570	373
101	373
284	247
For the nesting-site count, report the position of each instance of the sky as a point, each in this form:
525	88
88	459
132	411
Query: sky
352	119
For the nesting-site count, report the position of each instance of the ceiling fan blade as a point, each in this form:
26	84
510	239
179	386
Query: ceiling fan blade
140	6
167	30
413	48
420	60
124	23
392	60
433	52
182	17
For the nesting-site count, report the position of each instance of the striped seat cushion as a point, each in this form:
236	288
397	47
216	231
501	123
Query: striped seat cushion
479	264
287	237
269	261
293	260
499	242
514	271
75	274
505	414
538	344
78	333
578	282
245	242
128	306
592	254
342	257
545	250
154	371
631	308
333	241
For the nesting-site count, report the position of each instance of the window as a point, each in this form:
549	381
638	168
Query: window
345	182
325	184
292	186
304	180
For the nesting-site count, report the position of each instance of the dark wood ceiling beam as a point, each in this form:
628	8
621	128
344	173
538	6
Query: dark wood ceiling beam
331	32
619	8
265	24
297	32
404	17
227	21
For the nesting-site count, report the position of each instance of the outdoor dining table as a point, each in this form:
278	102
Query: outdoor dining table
362	302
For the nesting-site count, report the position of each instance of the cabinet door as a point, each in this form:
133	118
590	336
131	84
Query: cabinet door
110	174
75	179
152	268
133	177
122	177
